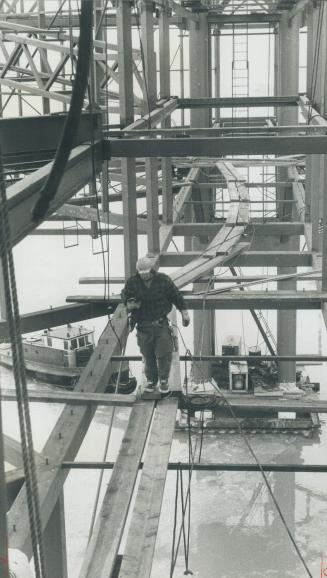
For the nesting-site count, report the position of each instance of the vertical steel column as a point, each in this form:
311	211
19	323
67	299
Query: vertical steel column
100	81
323	158
3	314
181	70
92	186
54	541
126	105
217	69
288	67
204	321
147	34
309	173
324	236
151	165
4	568
315	160
164	68
42	24
199	68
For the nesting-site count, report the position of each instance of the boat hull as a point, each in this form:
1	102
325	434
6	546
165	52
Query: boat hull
67	377
60	376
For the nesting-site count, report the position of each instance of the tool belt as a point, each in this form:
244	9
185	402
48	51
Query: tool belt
159	321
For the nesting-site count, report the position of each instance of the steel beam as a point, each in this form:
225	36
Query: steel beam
228	102
164	58
18	146
311	276
309	358
56	316
28	21
287	82
23	195
236	300
178	10
258	18
246	259
252	130
215	147
147	34
151	164
161	110
228	467
266	229
203	322
69	212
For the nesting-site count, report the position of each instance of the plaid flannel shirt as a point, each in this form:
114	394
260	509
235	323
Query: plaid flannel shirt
156	300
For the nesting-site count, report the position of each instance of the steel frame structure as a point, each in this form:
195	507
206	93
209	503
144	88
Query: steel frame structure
38	55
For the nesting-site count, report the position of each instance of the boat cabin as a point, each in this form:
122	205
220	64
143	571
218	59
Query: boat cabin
68	338
65	346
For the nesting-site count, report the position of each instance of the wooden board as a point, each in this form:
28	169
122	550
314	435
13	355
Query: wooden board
13	451
103	547
226	242
73	397
139	551
67	435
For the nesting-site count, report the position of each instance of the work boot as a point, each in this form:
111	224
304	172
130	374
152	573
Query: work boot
150	387
163	386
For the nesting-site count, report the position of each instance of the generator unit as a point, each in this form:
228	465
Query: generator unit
238	377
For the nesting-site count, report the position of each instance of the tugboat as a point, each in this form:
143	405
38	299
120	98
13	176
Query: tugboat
56	356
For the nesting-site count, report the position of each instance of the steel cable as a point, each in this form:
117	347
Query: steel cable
257	461
12	311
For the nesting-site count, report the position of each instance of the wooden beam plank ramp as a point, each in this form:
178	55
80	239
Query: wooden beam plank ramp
141	539
103	547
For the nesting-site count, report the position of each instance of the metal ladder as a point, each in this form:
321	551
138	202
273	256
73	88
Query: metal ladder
240	72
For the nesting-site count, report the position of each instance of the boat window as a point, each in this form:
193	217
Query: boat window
87	339
49	341
81	341
65	344
74	344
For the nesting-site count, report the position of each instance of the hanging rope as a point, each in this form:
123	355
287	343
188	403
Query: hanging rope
12	312
52	183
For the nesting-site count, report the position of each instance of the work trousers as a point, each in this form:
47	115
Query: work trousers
156	344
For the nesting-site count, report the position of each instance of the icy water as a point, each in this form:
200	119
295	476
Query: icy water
235	529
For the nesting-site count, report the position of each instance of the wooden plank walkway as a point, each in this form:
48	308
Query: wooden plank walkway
139	551
73	397
102	550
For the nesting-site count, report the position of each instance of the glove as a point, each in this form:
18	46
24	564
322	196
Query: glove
132	304
185	318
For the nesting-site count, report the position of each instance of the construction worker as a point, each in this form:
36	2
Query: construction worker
149	297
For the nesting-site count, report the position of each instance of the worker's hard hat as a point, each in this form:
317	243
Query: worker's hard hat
144	265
